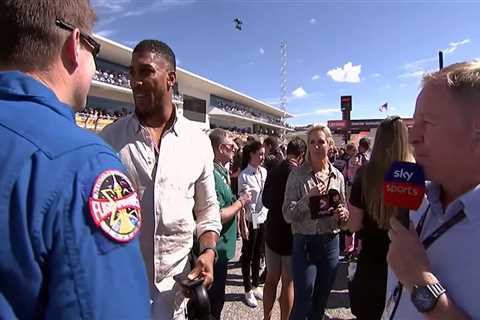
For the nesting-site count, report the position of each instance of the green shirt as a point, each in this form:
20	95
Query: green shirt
228	236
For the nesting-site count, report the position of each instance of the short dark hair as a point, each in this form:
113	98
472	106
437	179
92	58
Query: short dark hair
159	48
296	147
30	38
251	147
272	142
364	143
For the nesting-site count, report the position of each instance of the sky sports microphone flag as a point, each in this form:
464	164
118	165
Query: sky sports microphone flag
404	185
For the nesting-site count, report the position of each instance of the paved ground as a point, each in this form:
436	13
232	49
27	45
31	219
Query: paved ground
236	309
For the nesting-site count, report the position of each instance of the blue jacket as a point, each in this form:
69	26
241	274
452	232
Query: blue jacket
61	256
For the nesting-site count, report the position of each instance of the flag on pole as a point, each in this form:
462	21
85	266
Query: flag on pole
383	107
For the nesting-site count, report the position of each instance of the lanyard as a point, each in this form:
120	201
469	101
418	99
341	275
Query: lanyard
427	242
330	176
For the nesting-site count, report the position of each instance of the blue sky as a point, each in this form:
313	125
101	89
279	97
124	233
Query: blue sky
375	51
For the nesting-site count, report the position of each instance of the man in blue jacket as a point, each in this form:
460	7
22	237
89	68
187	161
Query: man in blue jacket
69	216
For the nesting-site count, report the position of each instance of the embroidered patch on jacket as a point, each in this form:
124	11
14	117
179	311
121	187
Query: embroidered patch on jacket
114	206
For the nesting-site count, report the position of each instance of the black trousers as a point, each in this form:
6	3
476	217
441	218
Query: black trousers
251	253
367	291
217	292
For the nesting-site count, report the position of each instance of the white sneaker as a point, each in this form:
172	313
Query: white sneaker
250	299
258	293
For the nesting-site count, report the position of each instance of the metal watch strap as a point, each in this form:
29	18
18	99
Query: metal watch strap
436	289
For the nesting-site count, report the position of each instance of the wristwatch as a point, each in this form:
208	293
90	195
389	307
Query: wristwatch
205	248
425	297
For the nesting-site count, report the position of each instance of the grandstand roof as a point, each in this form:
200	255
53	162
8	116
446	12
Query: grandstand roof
120	54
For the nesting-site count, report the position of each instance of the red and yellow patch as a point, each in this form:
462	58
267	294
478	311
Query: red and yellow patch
114	206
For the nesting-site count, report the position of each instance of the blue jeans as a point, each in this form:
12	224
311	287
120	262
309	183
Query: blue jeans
314	264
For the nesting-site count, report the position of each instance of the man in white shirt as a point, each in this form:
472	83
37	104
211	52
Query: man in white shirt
439	268
171	163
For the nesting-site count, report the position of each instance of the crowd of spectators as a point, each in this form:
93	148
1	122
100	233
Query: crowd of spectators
98	112
237	108
258	131
95	118
116	78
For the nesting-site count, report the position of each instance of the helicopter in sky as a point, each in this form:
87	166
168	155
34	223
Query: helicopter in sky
238	24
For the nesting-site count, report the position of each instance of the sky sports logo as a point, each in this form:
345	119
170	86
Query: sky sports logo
403	174
404	185
402	188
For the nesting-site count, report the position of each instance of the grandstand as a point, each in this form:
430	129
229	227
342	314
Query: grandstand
206	102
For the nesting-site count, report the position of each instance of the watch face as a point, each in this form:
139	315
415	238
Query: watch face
423	299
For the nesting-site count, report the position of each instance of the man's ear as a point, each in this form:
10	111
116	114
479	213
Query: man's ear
71	51
172	79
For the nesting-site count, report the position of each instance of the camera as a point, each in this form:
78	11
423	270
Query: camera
323	205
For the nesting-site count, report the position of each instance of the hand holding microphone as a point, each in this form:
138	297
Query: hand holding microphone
404	188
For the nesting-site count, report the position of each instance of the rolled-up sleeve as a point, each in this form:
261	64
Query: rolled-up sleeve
206	208
295	206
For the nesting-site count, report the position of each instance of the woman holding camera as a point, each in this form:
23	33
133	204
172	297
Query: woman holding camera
315	206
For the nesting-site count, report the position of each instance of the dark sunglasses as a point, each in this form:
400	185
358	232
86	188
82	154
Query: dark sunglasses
94	45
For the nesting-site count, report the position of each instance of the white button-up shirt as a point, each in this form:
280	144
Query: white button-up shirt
172	189
254	180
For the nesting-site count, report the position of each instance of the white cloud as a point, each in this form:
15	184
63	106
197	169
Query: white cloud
413	74
105	33
312	97
449	50
387	86
112	6
178	62
454	45
316	77
376	75
110	10
349	73
403	85
158	5
299	93
416	68
418	65
321	111
313	21
262	51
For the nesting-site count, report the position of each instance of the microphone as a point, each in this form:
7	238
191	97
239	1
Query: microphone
404	188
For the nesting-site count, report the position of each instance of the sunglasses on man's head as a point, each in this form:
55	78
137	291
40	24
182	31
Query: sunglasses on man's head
94	45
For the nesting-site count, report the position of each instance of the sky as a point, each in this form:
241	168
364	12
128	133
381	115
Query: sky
375	51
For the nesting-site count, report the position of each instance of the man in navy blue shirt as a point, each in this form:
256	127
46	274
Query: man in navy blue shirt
69	216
